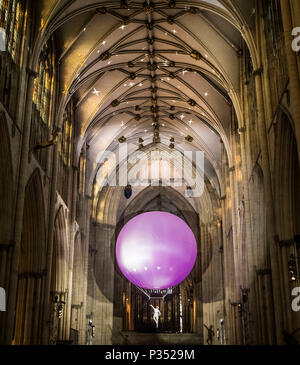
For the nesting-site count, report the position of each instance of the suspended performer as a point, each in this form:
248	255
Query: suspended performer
156	314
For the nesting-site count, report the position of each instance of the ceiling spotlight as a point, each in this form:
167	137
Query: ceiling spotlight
195	55
96	92
206	94
189	138
190	121
182	116
122	139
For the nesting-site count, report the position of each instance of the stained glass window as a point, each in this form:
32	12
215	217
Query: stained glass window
43	85
12	20
67	143
3	22
82	170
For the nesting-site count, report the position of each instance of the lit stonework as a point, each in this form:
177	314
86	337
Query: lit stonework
80	80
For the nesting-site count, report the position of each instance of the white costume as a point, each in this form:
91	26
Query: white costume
2	300
156	315
2	40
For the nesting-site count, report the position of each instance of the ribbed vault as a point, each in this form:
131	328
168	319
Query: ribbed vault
149	71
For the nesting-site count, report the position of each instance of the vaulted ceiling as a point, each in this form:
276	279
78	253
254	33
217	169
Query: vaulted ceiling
150	71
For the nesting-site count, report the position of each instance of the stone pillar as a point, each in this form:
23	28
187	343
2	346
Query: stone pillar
249	238
48	299
237	266
269	206
295	7
12	294
85	227
294	85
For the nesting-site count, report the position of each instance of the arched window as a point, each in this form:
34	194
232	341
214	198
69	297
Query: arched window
41	126
274	26
12	22
82	171
43	85
66	147
65	154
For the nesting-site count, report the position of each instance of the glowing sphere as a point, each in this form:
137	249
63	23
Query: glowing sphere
156	250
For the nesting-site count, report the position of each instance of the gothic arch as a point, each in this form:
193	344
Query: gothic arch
286	173
262	279
286	202
6	182
6	205
32	265
169	200
176	200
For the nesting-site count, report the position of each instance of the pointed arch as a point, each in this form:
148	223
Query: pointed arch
32	265
286	174
6	182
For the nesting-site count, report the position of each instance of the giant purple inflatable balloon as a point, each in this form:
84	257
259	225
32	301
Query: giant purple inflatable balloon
156	250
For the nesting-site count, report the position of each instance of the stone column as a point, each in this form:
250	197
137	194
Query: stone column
269	205
237	266
12	294
294	85
295	7
249	239
47	299
85	227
